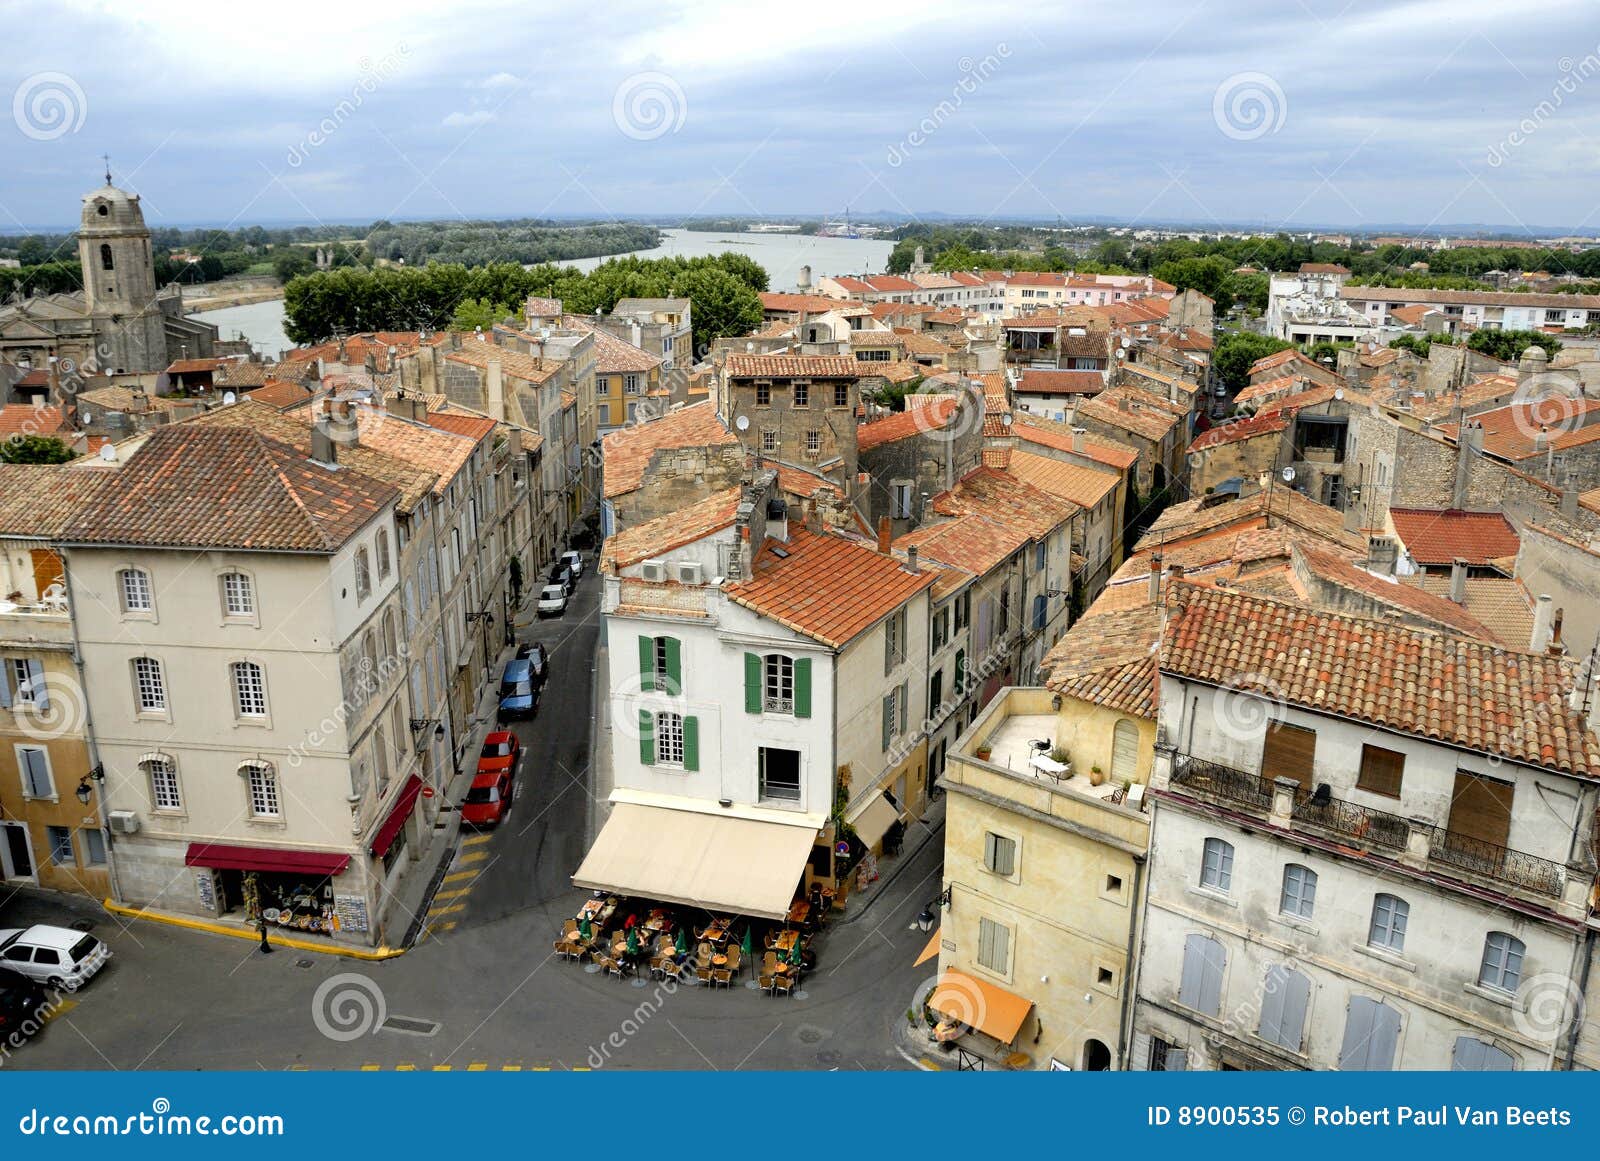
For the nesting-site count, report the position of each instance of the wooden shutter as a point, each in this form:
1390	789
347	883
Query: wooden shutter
34	769
802	687
1473	1055
1381	771
1124	750
1481	808
1283	1007
1289	752
888	720
1371	1031
647	663
752	683
647	736
1201	985
674	651
47	570
41	692
5	683
691	743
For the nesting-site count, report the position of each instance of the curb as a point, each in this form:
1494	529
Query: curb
375	953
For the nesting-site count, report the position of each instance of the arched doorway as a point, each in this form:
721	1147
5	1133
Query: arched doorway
1096	1057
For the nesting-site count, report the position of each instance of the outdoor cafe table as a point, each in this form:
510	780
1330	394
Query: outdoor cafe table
596	910
719	961
786	940
799	912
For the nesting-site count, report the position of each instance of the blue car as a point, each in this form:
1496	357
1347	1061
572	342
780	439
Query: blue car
519	696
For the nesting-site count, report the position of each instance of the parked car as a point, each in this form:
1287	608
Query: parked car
552	601
561	575
501	751
538	661
56	956
22	1006
519	696
492	790
574	561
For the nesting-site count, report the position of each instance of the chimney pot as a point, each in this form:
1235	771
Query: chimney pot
885	533
1458	580
1543	622
912	565
1556	646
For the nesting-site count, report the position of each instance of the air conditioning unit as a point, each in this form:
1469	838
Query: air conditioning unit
124	822
653	570
689	573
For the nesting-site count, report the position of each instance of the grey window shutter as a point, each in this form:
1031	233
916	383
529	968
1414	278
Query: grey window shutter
37	686
888	720
1177	1060
1371	1031
1283	1007
5	683
1473	1055
903	701
1201	985
38	778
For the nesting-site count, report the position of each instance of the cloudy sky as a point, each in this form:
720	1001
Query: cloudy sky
1434	112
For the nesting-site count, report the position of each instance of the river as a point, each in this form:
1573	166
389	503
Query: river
781	254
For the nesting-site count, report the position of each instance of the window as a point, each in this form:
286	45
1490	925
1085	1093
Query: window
94	846
1388	931
999	854
249	689
902	501
237	599
964	609
604	413
813	443
106	262
1165	1057
150	688
27	677
163	783
891	717
894	640
779	684
780	774
660	664
1283	1007
1216	865
1473	1055
384	564
135	585
34	765
60	846
669	739
1288	752
1124	750
1371	1029
763	394
1381	771
1502	962
364	572
802	394
1113	884
263	790
1299	891
935	692
941	628
630	384
1041	611
841	395
1200	988
769	439
994	946
1039	556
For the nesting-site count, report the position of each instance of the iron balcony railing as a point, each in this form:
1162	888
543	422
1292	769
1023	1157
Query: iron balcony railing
1376	830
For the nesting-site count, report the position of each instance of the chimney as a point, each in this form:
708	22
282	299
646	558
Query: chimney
1175	572
885	533
324	449
496	389
912	566
1541	438
1124	403
1155	578
1569	501
1469	443
1458	580
1543	623
1557	647
1077	440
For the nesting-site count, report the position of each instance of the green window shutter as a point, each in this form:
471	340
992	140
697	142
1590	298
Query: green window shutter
752	683
961	671
888	721
691	743
647	663
647	736
674	666
802	687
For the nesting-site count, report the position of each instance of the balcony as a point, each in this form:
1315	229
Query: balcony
1413	841
44	622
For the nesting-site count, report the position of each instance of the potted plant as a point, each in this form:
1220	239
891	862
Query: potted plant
1059	754
983	750
1096	776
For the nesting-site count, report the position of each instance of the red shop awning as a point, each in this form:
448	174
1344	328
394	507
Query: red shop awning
384	839
222	857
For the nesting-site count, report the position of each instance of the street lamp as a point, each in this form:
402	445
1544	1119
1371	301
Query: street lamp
423	723
926	917
85	791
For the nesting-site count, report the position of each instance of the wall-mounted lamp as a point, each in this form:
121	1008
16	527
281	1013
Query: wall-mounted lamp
85	791
926	917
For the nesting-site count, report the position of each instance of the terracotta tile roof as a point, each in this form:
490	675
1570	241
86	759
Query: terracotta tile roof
413	483
1047	433
1003	497
627	452
949	316
441	452
1501	603
191	486
1189	340
996	457
515	364
1283	385
802	303
1109	658
1432	684
1140	418
888	310
194	366
1083	486
474	427
31	419
538	307
1322	268
875	284
38	500
1486	389
974	544
1045	382
1444	613
1314	397
926	345
356	348
1288	362
1512	432
743	366
674	530
280	394
613	356
1412	316
907	424
1240	429
241	373
873	339
1439	536
829	587
895	371
1270	508
1064	317
803	484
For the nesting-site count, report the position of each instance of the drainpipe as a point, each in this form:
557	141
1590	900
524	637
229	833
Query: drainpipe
1587	950
89	737
1135	932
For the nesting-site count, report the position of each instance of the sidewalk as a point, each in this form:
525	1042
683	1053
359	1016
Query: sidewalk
929	828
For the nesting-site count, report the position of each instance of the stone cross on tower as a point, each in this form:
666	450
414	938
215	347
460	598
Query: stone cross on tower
106	157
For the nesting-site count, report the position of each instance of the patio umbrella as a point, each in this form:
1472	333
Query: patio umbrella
746	945
794	952
633	941
585	930
681	943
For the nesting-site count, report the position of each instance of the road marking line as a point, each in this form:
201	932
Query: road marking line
541	1068
472	857
511	1068
451	909
474	840
443	1067
405	1068
371	1068
477	1067
454	894
581	1068
61	1010
460	876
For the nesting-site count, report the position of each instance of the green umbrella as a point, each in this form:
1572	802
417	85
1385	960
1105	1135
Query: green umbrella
746	945
633	941
584	929
794	952
681	943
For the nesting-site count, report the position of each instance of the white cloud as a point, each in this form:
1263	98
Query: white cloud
476	117
498	81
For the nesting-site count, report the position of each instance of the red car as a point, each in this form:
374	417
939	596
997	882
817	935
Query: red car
493	787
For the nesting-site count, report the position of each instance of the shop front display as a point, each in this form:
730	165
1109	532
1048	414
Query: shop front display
272	885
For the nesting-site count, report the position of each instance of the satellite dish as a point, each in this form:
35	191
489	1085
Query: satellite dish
86	417
750	347
108	452
1338	392
229	399
742	423
1288	475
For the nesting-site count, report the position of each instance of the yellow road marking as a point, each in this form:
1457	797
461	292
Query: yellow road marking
60	1009
472	857
474	840
541	1068
371	1067
511	1068
450	909
460	876
477	1067
405	1068
443	1067
455	894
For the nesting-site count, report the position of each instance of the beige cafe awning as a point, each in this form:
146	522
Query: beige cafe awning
873	818
715	861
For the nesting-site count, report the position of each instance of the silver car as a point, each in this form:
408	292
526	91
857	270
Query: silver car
57	956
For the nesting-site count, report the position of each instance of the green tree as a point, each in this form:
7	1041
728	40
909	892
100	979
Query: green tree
1236	350
479	314
35	449
722	304
1508	346
291	262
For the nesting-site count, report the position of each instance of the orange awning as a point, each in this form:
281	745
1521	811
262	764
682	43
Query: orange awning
987	1007
929	952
